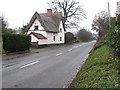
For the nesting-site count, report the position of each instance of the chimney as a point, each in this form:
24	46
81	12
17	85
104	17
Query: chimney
49	12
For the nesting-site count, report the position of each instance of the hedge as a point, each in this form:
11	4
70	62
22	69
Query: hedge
16	42
111	37
69	38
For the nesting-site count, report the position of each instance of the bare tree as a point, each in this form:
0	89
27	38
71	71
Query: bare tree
5	28
72	10
101	23
4	25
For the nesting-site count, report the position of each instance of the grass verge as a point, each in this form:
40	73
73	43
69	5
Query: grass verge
4	51
99	71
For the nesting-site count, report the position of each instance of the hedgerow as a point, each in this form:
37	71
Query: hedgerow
111	36
16	42
69	38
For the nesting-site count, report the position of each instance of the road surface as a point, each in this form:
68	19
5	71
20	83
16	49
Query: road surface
53	68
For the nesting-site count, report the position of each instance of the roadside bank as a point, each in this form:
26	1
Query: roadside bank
99	71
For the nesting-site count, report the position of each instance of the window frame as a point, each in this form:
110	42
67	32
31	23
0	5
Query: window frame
53	38
60	38
60	29
36	28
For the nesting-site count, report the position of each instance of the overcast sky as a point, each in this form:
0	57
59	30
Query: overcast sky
19	12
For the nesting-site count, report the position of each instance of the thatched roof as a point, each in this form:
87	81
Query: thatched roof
50	24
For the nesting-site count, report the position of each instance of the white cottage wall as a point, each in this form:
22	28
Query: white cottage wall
48	35
34	39
62	34
36	23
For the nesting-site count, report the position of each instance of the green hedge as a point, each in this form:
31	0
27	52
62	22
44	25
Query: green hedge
111	37
16	42
69	38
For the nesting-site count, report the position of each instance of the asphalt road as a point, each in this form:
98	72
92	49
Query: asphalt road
53	68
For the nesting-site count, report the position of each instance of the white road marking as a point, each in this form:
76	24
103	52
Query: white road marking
29	64
58	54
80	45
83	43
74	46
70	50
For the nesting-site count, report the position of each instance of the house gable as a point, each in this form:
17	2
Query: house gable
36	17
61	27
36	23
50	24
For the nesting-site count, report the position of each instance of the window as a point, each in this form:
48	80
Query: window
35	27
60	38
53	38
60	29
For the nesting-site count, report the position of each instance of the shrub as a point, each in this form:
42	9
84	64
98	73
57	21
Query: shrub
16	42
84	35
69	38
111	36
118	36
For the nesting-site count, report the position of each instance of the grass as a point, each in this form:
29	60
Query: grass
99	71
4	52
33	48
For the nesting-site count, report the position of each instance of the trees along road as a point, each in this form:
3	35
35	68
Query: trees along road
53	68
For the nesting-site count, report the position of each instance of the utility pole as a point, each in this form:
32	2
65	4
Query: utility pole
109	15
115	31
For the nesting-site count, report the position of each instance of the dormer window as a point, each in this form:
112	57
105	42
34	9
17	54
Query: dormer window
60	29
35	27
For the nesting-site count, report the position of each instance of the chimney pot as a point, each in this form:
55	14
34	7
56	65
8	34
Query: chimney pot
49	12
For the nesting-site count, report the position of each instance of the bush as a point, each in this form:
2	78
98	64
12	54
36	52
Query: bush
16	42
111	37
118	36
69	38
84	35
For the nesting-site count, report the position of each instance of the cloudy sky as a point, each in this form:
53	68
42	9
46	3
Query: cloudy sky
19	12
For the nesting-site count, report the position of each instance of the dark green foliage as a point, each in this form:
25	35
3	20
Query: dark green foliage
118	36
24	27
69	38
16	42
84	35
111	36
